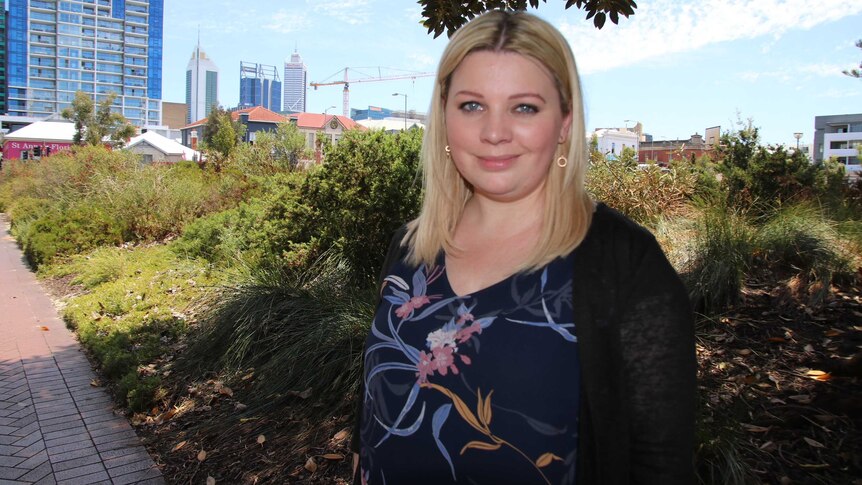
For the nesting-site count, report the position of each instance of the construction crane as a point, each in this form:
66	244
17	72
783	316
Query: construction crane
366	78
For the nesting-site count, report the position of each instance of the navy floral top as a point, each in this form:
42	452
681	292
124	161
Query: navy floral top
474	389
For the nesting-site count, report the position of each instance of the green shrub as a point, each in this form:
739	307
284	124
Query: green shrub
719	257
284	323
800	238
645	195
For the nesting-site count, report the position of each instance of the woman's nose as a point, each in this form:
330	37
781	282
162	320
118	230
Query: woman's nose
496	128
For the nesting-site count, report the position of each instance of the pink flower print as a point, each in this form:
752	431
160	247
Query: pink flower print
425	366
466	360
444	361
412	304
464	318
465	333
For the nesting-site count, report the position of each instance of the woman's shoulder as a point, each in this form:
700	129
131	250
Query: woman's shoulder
609	223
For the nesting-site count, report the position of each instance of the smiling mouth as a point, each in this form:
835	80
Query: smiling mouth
497	163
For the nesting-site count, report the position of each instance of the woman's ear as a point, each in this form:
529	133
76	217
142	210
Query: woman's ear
566	128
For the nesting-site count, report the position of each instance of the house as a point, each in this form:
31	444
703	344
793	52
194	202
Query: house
330	126
839	137
663	152
38	139
255	119
612	141
155	148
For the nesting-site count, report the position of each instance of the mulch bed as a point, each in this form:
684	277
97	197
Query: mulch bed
779	381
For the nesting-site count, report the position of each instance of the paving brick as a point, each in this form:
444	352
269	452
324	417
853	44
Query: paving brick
38	473
10	450
58	414
34	460
29	439
61	456
76	462
74	422
31	450
143	476
21	422
10	460
27	429
82	437
75	432
6	439
138	466
49	480
119	452
115	445
158	480
110	427
126	434
55	448
9	473
73	476
99	418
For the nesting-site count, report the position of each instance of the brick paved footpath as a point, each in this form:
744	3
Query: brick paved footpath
55	428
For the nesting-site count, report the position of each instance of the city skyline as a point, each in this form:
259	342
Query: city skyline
676	67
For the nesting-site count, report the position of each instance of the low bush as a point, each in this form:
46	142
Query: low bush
283	323
139	302
644	194
719	256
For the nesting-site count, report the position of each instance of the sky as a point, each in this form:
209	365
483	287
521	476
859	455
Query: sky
677	67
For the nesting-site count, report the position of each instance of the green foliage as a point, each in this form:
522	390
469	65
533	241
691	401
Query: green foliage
857	73
94	123
628	157
720	254
139	302
645	195
72	202
440	15
754	175
221	134
800	239
272	151
366	188
282	323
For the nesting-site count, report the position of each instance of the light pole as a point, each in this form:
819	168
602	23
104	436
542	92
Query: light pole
797	135
325	113
405	108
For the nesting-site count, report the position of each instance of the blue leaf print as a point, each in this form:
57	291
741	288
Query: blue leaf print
383	368
377	333
437	421
559	328
411	399
419	286
395	300
544	278
433	308
404	431
485	322
381	345
402	297
411	352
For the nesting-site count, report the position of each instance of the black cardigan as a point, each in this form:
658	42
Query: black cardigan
636	340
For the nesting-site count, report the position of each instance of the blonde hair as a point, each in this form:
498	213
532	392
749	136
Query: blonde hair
568	208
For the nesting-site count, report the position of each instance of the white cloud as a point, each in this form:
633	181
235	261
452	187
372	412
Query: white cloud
352	12
421	60
665	27
286	22
839	93
794	73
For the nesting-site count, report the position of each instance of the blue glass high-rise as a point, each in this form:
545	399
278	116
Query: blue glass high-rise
56	48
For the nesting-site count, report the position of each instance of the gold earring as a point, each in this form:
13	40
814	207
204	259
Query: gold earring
562	161
448	151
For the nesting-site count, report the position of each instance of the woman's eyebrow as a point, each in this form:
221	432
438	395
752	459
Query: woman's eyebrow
465	92
527	95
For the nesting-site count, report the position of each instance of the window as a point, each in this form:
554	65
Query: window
146	158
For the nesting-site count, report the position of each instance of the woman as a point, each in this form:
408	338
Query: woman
525	334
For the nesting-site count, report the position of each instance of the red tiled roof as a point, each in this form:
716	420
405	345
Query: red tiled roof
256	113
318	121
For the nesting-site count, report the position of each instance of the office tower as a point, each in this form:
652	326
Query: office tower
201	85
295	81
95	46
3	60
259	85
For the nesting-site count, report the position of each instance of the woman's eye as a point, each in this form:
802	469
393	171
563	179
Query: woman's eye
526	108
471	106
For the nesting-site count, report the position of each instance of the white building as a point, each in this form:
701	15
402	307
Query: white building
612	141
294	84
201	86
839	137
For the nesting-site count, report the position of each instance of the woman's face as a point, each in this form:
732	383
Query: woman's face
503	124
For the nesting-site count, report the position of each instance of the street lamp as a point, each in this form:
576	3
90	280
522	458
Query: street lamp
797	135
325	112
405	108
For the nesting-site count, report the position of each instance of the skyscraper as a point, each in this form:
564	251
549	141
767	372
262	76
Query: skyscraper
201	85
98	47
259	85
295	81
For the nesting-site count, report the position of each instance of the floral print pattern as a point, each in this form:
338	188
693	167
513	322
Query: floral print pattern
422	355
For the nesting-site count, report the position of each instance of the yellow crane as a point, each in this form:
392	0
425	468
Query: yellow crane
364	77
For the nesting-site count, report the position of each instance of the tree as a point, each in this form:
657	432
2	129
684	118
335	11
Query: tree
93	123
857	73
272	152
449	15
221	134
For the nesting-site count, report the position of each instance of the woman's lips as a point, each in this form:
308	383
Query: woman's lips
497	163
